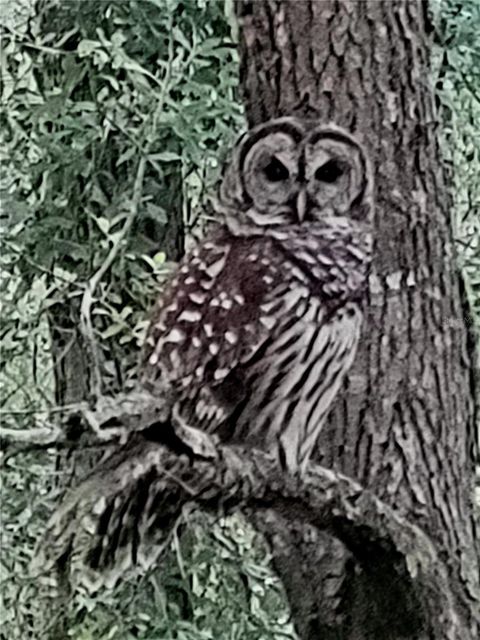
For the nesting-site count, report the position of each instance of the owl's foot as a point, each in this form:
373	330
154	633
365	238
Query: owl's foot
201	444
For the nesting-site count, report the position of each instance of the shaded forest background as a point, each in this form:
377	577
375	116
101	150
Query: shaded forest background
116	118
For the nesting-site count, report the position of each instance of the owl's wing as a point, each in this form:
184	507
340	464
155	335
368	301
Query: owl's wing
216	314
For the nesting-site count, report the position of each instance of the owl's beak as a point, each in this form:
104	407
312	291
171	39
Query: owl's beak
301	204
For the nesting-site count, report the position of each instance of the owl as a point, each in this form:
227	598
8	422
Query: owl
256	329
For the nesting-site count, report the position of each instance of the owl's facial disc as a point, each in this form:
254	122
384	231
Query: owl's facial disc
334	172
288	171
269	172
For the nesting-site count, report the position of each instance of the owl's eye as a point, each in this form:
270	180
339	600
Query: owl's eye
275	171
329	172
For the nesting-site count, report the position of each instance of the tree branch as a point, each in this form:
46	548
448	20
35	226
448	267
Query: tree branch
78	425
125	512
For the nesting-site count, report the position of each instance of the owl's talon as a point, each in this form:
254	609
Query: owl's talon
201	444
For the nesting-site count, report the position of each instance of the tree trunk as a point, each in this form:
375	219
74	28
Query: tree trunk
404	424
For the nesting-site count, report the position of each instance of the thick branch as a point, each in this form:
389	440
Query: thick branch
132	502
112	419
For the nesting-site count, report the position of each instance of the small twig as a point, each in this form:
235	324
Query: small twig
70	408
88	296
110	420
183	485
38	436
37	265
38	47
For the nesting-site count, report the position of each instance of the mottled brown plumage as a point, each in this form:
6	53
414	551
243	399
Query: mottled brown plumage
261	320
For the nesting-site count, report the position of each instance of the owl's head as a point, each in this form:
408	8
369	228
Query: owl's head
292	171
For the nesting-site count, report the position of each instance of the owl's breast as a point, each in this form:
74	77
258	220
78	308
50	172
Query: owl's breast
334	259
289	390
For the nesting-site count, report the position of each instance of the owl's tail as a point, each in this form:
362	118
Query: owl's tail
122	515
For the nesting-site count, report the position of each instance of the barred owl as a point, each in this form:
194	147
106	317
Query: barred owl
251	337
259	324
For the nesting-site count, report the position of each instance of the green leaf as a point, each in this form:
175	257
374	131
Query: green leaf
165	156
87	47
126	155
103	224
156	213
113	330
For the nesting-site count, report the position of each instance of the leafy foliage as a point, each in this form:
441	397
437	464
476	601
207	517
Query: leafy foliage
216	584
458	87
92	89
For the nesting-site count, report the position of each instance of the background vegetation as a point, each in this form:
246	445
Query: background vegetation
115	120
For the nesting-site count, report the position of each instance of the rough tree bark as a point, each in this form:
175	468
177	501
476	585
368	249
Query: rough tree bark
404	425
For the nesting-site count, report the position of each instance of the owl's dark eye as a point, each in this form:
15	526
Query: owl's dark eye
329	172
275	171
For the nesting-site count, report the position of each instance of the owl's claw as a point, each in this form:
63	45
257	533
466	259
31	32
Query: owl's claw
201	444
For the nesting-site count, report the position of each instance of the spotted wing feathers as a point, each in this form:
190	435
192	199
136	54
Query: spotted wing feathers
214	316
